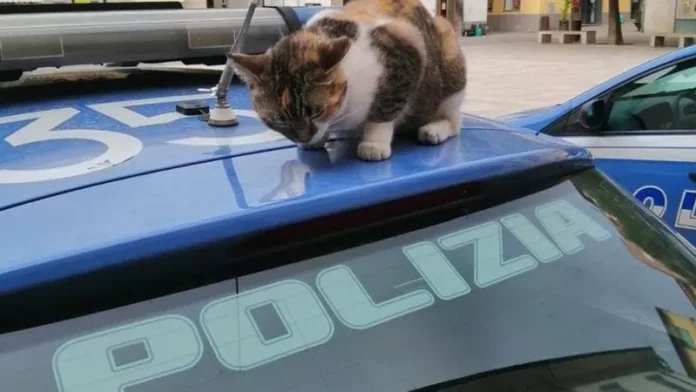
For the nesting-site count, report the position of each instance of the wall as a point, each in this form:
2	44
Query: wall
527	18
475	11
658	16
686	17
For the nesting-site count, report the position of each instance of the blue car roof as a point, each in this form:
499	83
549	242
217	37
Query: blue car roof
187	183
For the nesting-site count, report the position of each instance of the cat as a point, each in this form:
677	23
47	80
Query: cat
374	65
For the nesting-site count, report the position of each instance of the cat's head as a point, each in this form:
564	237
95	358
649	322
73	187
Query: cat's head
297	86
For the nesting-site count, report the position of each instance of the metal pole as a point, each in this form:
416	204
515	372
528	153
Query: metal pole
222	114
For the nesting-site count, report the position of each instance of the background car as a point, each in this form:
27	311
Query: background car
641	128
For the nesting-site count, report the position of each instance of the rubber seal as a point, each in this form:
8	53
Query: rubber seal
289	16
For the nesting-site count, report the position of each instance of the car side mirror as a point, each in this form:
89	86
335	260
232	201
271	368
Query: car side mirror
592	114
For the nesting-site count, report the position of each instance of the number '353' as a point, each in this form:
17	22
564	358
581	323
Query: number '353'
118	146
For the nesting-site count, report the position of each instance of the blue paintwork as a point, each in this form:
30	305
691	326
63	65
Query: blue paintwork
665	177
156	155
662	174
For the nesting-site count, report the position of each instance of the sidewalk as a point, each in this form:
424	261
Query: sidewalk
509	72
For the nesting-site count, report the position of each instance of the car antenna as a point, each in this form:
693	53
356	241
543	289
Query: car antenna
222	115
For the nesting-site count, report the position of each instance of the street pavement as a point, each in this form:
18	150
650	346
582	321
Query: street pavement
510	72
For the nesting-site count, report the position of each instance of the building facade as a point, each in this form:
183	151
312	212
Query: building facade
669	16
525	15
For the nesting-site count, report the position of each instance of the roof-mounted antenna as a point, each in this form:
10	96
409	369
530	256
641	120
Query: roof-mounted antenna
222	115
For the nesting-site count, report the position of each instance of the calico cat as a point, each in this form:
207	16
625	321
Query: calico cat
374	65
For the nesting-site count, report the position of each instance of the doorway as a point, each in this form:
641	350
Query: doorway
591	12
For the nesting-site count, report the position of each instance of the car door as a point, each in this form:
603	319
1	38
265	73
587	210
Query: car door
643	135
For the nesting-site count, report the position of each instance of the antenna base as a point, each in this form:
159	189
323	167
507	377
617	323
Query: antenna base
222	117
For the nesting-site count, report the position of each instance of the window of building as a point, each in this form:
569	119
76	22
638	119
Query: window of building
511	5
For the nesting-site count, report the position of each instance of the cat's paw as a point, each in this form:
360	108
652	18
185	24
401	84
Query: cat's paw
435	133
371	151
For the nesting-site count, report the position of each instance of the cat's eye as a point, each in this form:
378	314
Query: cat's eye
318	114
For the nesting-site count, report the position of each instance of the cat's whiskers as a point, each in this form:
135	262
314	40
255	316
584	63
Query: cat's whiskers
327	83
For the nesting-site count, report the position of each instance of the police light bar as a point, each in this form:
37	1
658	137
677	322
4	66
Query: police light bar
30	41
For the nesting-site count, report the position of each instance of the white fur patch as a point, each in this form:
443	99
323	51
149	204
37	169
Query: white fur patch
320	136
363	69
435	132
450	108
381	22
376	141
369	151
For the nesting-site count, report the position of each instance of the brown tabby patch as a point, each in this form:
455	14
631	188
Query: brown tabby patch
296	81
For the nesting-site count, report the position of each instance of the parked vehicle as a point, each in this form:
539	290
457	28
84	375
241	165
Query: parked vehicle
641	128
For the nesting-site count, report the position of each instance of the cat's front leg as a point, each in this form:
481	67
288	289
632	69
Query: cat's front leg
376	141
402	55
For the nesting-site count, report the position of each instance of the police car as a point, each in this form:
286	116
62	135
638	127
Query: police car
143	250
641	128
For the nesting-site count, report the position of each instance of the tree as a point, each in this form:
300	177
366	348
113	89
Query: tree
615	37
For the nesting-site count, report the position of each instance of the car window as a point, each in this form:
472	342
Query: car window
663	100
656	82
576	281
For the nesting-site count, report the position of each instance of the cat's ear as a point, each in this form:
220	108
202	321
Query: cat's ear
332	53
250	66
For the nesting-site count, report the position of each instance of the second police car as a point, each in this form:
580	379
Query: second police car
641	128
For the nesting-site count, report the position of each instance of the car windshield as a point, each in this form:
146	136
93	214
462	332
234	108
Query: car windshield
571	286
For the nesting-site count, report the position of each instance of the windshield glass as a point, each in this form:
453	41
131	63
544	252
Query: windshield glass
669	80
577	283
